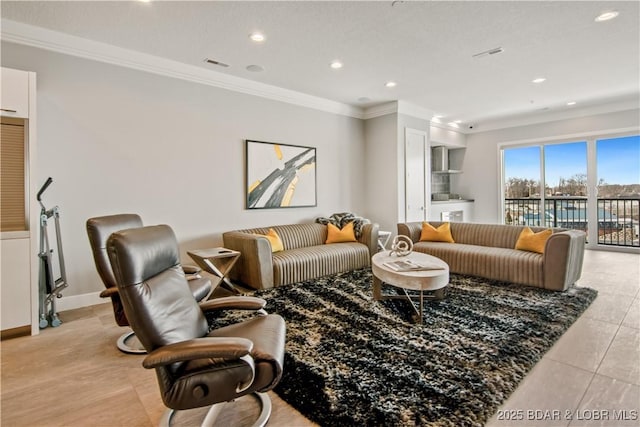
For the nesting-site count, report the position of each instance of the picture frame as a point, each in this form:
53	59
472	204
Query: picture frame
279	175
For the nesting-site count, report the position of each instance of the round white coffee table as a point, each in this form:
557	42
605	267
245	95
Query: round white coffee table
435	279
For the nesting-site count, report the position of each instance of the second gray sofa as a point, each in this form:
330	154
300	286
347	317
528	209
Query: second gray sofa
488	250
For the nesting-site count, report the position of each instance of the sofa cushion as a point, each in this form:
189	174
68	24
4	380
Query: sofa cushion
274	239
337	235
533	242
430	233
306	263
502	264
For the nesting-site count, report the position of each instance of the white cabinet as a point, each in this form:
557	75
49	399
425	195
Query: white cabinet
19	261
16	283
447	137
452	211
14	93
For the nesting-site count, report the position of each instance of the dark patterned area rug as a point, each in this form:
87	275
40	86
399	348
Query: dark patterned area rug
351	360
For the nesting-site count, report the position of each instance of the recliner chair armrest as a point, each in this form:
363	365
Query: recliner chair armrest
191	269
108	292
233	303
200	348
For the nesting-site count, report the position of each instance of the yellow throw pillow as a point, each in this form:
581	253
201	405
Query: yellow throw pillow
441	234
336	235
533	242
274	239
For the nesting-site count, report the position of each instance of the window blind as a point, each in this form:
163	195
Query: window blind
12	176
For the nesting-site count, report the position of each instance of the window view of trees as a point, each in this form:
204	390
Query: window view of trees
576	185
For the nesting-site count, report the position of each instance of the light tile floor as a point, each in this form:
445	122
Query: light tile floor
74	375
591	376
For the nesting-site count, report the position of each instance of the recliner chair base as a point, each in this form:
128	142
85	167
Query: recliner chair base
128	343
214	411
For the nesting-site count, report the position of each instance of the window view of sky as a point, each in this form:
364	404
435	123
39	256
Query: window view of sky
618	161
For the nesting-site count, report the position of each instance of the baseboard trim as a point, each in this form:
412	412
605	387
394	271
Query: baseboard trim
20	331
72	302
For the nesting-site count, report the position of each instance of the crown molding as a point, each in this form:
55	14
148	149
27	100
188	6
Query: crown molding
400	107
613	106
380	110
414	111
29	35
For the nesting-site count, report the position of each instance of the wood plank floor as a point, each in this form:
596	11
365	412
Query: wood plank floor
74	375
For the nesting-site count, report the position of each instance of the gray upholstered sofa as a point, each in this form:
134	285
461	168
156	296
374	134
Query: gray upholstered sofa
305	255
487	250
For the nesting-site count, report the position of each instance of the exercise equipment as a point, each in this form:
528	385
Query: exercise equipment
50	288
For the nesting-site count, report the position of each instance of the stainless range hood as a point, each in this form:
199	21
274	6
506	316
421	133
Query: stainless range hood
440	160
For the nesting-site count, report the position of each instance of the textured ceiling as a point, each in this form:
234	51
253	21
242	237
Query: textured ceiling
426	47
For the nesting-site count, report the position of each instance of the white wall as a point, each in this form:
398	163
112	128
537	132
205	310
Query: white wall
481	176
381	159
119	140
385	146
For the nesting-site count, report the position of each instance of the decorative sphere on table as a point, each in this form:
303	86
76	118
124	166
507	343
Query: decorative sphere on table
401	246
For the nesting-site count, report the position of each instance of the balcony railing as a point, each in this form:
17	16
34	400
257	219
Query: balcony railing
618	223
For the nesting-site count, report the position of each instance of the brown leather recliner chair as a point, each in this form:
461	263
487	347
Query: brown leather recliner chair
99	229
195	368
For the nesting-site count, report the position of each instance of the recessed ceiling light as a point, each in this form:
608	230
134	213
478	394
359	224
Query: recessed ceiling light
257	37
255	68
336	65
457	121
391	84
453	124
538	80
570	103
606	16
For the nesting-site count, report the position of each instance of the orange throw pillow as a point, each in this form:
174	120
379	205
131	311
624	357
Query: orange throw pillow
336	235
274	239
441	234
533	242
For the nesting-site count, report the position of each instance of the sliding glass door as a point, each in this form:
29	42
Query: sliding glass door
591	185
565	173
522	184
618	190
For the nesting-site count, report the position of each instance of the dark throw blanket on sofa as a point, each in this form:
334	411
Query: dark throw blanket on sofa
342	219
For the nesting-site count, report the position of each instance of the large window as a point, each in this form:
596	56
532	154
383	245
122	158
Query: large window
591	185
618	175
522	185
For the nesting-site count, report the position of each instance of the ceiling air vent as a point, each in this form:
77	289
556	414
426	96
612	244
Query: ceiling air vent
214	62
494	51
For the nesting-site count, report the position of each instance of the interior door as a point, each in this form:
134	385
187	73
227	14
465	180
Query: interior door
416	157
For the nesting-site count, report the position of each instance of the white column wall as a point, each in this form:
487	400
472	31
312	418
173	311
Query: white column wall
382	173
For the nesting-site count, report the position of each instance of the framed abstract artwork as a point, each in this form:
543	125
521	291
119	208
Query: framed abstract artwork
279	175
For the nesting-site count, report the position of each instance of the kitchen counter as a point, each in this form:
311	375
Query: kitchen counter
441	202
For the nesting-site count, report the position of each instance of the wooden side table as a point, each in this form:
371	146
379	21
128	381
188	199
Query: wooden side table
219	262
383	239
